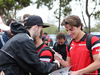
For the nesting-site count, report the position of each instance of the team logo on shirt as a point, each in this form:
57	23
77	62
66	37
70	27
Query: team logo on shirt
82	44
97	49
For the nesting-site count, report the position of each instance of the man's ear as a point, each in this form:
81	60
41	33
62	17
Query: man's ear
34	27
80	27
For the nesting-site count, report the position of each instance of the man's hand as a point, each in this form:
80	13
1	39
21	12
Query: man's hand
2	73
53	50
56	61
58	57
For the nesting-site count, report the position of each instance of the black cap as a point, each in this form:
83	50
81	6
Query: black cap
34	20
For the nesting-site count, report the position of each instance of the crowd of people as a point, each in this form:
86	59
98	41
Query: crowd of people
24	49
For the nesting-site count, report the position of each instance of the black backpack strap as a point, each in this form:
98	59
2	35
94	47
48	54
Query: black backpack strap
46	48
69	44
88	44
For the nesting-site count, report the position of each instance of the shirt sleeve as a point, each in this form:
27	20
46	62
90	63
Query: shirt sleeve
95	45
46	56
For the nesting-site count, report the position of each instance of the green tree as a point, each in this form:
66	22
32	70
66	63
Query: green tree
94	29
62	10
94	12
64	31
8	8
97	15
50	30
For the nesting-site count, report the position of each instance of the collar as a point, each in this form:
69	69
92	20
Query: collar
83	38
39	46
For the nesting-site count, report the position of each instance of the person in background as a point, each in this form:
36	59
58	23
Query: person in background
1	30
60	45
45	36
46	41
7	34
78	56
19	54
25	16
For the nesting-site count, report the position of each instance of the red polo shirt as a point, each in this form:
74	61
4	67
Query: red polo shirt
45	56
80	55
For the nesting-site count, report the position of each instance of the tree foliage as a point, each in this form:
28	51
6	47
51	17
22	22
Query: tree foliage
51	30
97	15
8	8
97	28
89	13
94	29
63	8
64	31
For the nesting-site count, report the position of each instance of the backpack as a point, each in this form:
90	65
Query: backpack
46	48
88	45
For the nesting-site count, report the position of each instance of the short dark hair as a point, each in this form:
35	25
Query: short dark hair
45	33
61	35
9	21
72	20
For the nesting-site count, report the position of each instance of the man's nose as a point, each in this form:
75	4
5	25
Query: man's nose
60	43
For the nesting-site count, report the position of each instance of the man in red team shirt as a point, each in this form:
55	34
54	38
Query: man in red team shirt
78	55
45	56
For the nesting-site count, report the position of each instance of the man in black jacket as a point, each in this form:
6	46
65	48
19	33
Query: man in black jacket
19	55
60	45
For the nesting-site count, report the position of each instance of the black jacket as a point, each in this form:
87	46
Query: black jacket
19	55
